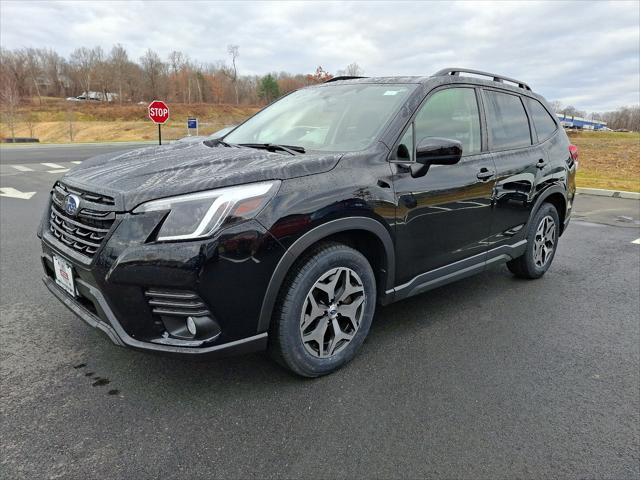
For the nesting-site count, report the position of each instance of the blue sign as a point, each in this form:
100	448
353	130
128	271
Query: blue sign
192	123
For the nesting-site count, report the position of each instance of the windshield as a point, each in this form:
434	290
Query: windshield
332	118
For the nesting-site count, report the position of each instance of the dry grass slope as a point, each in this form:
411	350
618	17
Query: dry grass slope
609	160
59	121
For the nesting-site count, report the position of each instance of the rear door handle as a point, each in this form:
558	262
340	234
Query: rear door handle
484	174
541	163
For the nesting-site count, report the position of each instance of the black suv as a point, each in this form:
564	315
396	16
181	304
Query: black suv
284	233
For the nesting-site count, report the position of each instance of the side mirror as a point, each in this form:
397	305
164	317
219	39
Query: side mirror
438	151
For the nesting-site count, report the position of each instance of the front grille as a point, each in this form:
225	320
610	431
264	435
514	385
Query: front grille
85	232
176	303
60	191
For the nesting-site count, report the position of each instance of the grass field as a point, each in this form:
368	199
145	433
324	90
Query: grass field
608	160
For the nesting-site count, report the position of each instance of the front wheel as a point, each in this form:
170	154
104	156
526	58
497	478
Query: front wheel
324	311
542	242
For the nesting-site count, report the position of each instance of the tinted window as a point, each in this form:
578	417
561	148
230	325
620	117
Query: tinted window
506	121
542	120
451	113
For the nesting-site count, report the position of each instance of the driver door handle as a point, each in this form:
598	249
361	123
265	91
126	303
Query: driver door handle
541	163
484	174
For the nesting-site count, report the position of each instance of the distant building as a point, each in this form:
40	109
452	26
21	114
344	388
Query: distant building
568	121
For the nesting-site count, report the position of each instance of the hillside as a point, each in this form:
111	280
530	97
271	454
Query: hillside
61	121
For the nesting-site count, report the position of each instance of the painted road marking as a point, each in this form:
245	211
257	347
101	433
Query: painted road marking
21	168
13	193
52	165
62	170
636	241
77	162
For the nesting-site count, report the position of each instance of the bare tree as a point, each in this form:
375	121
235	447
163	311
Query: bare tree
53	70
625	118
71	116
571	111
34	69
179	72
234	51
118	60
9	100
556	106
153	69
30	120
84	60
352	70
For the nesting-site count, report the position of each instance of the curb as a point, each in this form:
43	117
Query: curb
609	193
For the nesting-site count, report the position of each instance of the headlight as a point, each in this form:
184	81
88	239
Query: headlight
198	215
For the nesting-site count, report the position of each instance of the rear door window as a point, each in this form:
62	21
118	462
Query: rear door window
542	119
506	121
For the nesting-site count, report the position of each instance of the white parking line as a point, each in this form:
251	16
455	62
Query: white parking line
77	162
14	193
21	168
636	241
52	165
62	170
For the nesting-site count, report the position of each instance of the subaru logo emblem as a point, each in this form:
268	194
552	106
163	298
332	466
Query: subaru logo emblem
71	204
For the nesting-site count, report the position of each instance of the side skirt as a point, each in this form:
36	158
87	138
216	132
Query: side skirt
454	271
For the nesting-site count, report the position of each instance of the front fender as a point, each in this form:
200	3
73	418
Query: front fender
313	236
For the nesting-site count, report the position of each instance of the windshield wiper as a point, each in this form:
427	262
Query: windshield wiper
291	149
216	141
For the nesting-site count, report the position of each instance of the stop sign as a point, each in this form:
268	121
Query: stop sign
158	111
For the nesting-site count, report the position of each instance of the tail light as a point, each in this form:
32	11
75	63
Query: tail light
573	154
573	151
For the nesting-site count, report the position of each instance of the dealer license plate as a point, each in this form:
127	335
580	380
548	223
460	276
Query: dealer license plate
64	275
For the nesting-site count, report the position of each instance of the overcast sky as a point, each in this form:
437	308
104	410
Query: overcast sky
582	53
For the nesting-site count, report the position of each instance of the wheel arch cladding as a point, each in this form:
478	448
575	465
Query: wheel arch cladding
364	234
556	196
558	200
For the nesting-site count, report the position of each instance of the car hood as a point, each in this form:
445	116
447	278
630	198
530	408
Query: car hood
184	167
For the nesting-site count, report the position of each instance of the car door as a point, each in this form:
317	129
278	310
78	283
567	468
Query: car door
518	163
443	215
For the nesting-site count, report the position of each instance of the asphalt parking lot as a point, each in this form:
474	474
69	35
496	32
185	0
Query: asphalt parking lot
490	377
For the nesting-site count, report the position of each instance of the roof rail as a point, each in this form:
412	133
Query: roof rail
496	78
343	77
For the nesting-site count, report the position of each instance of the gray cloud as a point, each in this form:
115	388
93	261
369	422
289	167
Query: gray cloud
583	53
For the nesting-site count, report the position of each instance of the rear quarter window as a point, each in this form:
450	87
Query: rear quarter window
507	121
543	122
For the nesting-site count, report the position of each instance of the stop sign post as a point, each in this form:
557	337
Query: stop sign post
158	112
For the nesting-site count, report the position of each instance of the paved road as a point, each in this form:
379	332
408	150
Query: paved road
491	377
28	154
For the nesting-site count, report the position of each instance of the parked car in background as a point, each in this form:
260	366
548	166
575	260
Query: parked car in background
286	232
95	96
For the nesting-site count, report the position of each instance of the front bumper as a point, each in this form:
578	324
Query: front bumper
117	335
228	273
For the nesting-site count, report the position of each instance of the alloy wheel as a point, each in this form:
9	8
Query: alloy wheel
332	312
544	241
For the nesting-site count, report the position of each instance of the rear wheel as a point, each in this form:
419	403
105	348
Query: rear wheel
324	311
542	242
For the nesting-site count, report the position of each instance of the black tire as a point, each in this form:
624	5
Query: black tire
532	264
286	332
